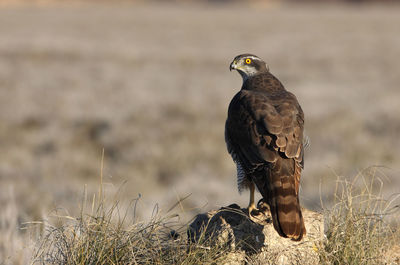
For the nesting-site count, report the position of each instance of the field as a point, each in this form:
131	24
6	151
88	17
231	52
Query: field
150	85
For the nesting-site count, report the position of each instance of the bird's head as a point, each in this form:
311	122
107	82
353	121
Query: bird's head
248	65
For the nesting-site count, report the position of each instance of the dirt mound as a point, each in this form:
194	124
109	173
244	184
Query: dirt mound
255	238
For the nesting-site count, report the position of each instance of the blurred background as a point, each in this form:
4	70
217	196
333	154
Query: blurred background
148	82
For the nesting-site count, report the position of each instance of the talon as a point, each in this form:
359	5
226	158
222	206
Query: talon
252	210
262	206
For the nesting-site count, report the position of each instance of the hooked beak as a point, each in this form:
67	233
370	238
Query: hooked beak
232	66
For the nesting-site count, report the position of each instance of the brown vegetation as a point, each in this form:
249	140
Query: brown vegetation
358	230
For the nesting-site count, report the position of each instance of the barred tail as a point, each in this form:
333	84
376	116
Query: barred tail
280	190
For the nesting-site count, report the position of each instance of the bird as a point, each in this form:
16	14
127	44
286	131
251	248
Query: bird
264	134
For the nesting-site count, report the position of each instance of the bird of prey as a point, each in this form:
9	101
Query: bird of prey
264	136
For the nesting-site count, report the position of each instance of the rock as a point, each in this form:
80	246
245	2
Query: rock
254	239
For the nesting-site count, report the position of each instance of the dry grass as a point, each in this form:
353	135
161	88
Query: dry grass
112	234
107	236
360	230
362	225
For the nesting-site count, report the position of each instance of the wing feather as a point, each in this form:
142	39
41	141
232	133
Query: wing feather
265	127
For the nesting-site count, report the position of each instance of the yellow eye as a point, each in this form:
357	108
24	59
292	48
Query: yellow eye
248	61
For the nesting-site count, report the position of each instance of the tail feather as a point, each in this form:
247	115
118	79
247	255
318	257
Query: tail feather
280	191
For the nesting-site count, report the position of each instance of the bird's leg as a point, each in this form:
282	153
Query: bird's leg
252	206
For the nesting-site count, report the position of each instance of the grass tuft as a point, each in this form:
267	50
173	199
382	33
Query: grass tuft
361	226
107	237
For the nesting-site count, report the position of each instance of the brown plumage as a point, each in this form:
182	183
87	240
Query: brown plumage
264	135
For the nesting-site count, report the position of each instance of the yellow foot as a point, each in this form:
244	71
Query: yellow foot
252	210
